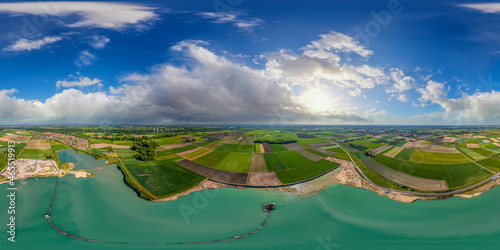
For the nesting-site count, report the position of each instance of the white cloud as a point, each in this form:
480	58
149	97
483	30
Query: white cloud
85	58
80	81
90	14
338	42
322	63
401	84
25	44
484	7
98	42
242	23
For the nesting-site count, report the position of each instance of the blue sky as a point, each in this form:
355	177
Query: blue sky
314	62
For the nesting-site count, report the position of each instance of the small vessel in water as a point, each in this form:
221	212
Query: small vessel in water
269	206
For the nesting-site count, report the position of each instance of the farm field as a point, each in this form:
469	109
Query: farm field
58	146
212	159
305	172
256	148
437	158
278	147
273	162
175	150
163	178
258	163
456	175
236	162
293	159
199	153
235	148
34	153
490	164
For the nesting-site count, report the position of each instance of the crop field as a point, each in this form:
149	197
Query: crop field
236	162
406	180
273	162
360	147
393	152
199	153
472	154
267	148
212	159
381	149
401	143
437	158
309	155
258	163
482	151
490	164
168	140
175	150
34	153
359	142
58	146
293	146
405	154
305	135
124	152
235	148
339	153
374	145
302	173
306	141
360	155
494	150
163	178
293	159
256	148
456	175
247	140
278	147
316	152
216	174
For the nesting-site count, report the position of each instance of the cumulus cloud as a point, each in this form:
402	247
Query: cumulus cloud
108	15
78	81
323	62
237	19
98	42
25	44
401	84
85	58
479	108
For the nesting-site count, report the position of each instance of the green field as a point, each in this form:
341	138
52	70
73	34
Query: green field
456	175
293	159
359	142
472	154
256	148
278	147
360	155
306	141
124	153
58	146
482	151
235	148
316	152
490	164
374	145
196	153
212	159
273	162
437	158
305	172
34	153
405	154
236	162
339	153
163	178
175	150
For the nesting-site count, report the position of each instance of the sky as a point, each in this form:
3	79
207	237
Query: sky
391	62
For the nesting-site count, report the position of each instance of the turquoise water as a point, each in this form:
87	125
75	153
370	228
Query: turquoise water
341	217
